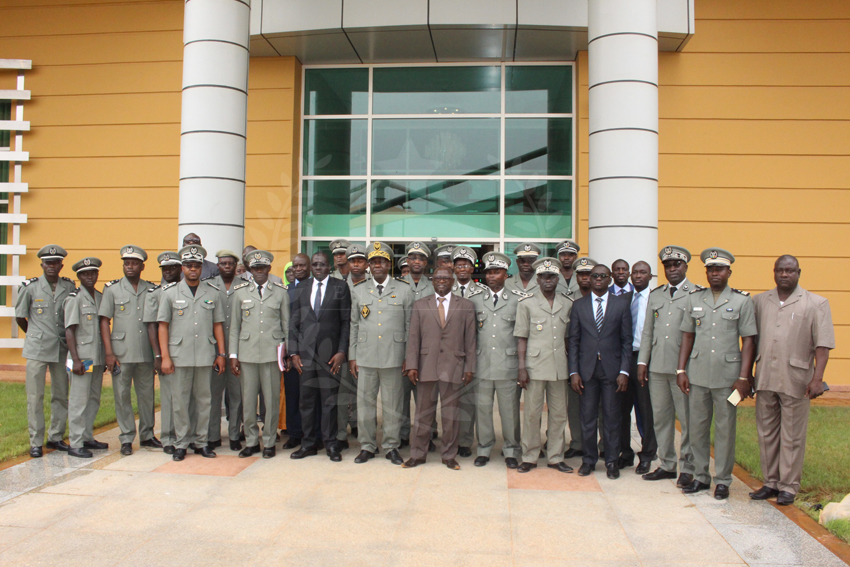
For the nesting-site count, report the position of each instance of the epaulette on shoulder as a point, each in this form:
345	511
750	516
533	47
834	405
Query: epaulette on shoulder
358	283
29	281
113	282
697	288
74	293
240	286
657	288
212	285
524	296
400	279
742	292
154	288
208	278
278	284
67	279
567	295
519	292
170	285
474	292
152	283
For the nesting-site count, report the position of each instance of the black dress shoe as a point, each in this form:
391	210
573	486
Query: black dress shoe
452	464
570	453
214	444
343	445
334	454
248	451
624	462
291	443
320	445
58	445
613	470
168	449
179	454
695	486
511	463
481	461
721	492
205	452
81	453
585	469
364	456
394	457
410	463
642	468
431	447
785	498
464	452
561	467
126	448
269	452
526	467
304	452
764	493
95	445
684	480
235	445
191	446
36	452
405	443
659	474
155	443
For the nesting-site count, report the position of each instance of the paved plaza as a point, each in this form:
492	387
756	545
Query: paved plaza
146	509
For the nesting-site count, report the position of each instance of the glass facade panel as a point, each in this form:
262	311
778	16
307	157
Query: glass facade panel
335	147
437	90
425	208
538	208
333	208
448	146
538	146
549	249
336	91
539	89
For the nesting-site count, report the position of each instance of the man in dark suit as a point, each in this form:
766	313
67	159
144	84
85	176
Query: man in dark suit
292	389
319	327
600	352
440	360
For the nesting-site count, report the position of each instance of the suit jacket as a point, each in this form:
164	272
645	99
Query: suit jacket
613	343
317	338
442	354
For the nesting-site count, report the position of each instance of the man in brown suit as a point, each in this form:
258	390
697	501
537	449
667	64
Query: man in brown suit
440	361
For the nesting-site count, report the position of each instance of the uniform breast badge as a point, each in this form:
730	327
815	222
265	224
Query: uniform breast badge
539	327
180	312
364	312
698	322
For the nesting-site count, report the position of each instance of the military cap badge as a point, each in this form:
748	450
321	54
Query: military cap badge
86	262
377	245
668	251
713	254
52	250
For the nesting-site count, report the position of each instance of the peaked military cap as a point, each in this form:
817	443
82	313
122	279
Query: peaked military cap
402	262
339	246
227	254
380	250
547	265
584	264
168	259
527	249
86	264
260	258
52	252
418	248
133	252
355	251
192	253
717	257
674	253
445	250
493	260
464	253
568	246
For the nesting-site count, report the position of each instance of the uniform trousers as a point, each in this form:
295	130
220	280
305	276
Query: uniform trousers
167	434
781	422
668	403
702	404
600	388
637	397
255	377
346	403
505	392
389	382
318	386
573	417
427	393
218	384
191	389
36	378
83	403
556	401
140	375
468	404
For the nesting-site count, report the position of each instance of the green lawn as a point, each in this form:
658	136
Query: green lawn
14	437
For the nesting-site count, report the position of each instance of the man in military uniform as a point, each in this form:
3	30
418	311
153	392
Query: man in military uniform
524	280
259	323
172	270
85	348
191	339
567	251
443	256
40	314
128	349
496	371
210	269
341	267
543	365
380	321
657	360
226	283
582	268
403	268
712	366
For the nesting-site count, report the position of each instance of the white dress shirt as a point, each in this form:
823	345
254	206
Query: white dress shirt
605	299
617	290
315	290
448	298
642	298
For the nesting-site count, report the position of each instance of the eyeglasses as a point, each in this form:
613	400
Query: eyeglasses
599	276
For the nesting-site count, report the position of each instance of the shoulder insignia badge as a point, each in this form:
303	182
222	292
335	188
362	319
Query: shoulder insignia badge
208	278
474	292
697	288
153	289
524	295
659	287
67	279
519	293
29	281
358	283
113	282
399	279
212	285
240	286
741	291
74	293
170	285
278	284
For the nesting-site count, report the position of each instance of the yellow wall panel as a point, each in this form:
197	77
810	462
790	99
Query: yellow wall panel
770	69
29	20
85	110
269	170
771	9
270	137
771	36
270	104
105	141
128	202
102	172
103	232
166	76
812	103
273	73
804	172
95	48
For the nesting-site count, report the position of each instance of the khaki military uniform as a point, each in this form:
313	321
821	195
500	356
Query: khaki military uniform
423	289
378	341
192	348
131	346
218	383
166	408
45	347
659	351
571	288
515	282
469	392
572	291
714	366
84	398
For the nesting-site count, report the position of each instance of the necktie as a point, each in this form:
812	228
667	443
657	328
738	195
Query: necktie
635	310
462	290
599	315
260	290
380	289
317	302
442	311
495	300
672	290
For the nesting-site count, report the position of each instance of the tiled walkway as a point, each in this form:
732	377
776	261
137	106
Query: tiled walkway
148	510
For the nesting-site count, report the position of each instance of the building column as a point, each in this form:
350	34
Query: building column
216	38
623	127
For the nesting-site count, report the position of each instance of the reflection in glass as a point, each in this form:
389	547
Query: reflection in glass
336	91
538	89
465	146
333	208
436	90
335	147
426	208
549	249
538	146
538	209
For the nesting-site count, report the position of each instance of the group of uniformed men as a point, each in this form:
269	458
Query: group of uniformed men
692	347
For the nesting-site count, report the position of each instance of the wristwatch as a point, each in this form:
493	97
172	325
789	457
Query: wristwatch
680	372
221	354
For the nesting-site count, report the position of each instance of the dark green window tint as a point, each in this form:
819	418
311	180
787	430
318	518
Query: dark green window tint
333	208
437	90
538	209
538	146
539	89
335	147
336	91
